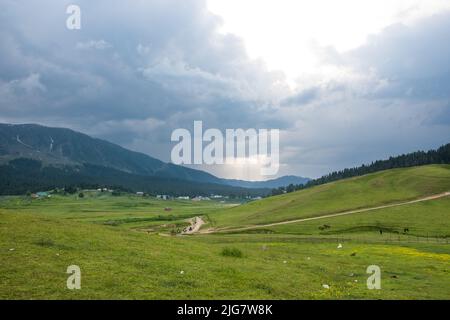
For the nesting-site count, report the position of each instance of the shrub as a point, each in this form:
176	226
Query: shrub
44	242
232	252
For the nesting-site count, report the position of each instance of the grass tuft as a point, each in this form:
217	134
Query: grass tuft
45	242
232	252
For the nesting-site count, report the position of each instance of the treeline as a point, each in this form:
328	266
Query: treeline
23	175
419	158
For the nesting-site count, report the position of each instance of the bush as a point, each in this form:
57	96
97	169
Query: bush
232	252
44	242
81	195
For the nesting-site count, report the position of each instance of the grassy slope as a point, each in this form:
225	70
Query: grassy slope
431	218
360	192
123	264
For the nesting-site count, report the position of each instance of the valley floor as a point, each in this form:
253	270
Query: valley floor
130	247
119	263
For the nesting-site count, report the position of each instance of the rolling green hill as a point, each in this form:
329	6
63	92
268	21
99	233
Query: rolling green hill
421	220
367	191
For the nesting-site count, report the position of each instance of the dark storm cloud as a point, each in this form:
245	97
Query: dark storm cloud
159	61
133	73
414	60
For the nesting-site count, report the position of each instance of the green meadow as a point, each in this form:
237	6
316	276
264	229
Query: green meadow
126	246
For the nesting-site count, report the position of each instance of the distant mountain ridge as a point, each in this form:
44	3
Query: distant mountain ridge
273	183
71	150
61	146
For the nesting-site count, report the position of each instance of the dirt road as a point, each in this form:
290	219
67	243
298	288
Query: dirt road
196	224
436	196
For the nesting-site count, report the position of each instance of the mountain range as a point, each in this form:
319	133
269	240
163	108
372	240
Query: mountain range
81	157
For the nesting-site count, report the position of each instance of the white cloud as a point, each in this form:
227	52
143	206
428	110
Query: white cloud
284	32
28	84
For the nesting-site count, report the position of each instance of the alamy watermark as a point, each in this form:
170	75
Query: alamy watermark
237	146
74	280
374	281
73	22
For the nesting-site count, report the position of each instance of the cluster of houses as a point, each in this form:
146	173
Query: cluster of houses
43	194
40	195
167	197
200	198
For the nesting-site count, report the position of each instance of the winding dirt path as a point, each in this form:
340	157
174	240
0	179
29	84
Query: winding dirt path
196	224
428	198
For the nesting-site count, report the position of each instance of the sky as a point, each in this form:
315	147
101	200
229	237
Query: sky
346	82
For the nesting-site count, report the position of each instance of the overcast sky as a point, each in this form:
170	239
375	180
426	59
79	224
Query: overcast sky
346	82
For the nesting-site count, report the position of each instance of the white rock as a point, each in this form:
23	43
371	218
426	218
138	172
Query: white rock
12	249
339	246
326	286
284	261
181	272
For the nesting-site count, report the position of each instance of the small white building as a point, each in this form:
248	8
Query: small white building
200	198
140	194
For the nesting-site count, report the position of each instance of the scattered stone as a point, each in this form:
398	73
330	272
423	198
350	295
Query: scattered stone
339	246
325	286
356	280
351	274
12	249
284	261
181	272
309	258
